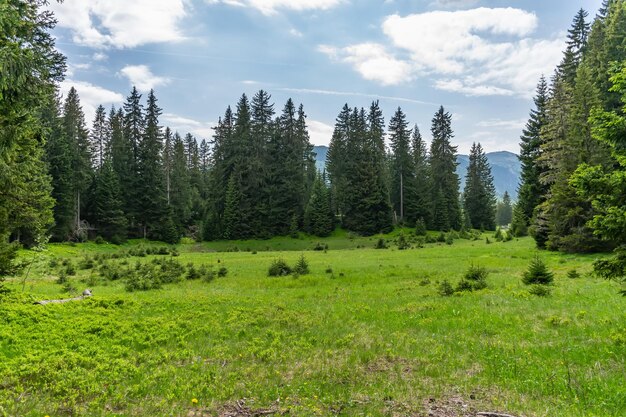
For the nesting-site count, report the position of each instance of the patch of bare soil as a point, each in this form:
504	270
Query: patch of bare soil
238	409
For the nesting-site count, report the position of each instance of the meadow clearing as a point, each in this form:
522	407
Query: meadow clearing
365	333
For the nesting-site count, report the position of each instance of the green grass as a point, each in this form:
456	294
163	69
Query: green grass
370	338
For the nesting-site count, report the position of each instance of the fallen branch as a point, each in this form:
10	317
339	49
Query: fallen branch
488	414
86	294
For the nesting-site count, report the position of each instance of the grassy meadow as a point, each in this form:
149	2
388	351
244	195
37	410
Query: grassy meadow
366	333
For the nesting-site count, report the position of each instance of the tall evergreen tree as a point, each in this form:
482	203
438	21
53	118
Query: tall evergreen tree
445	181
337	159
403	198
422	177
531	192
504	210
479	196
152	214
133	125
180	200
99	137
77	137
318	217
107	204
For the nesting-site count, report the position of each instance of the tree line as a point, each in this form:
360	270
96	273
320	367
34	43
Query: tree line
572	196
128	176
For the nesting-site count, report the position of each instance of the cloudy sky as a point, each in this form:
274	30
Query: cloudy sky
480	59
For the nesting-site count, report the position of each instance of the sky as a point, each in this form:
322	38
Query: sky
480	59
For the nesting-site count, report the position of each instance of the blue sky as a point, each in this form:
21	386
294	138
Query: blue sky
479	59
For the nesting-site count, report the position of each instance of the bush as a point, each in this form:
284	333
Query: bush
449	239
70	269
540	290
573	274
222	272
99	240
302	266
279	268
320	247
381	244
192	272
420	228
537	273
441	238
445	289
86	263
430	239
207	274
476	273
464	285
403	243
498	235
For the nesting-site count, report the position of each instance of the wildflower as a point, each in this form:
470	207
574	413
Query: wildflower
194	401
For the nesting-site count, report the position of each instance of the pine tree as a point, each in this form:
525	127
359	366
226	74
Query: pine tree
479	196
152	202
336	161
403	185
180	197
318	217
445	181
99	137
423	186
77	137
232	217
504	210
128	156
106	208
531	191
29	66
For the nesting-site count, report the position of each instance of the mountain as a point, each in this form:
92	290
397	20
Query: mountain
505	168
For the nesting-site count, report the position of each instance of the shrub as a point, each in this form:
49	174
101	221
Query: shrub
449	239
540	290
424	282
573	274
279	268
86	263
487	241
381	244
445	289
464	285
498	235
329	270
222	272
70	269
430	239
441	238
99	240
476	273
320	246
403	243
192	272
207	274
537	273
302	266
420	228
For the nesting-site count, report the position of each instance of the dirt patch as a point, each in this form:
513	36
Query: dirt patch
387	364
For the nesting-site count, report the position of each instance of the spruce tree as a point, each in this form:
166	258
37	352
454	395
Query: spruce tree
504	210
445	181
180	197
422	178
152	201
128	155
318	217
99	137
479	196
337	159
531	191
403	198
77	137
107	204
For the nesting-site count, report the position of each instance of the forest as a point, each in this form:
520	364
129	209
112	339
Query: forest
127	176
144	271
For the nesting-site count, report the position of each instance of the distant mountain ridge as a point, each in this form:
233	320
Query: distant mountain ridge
505	168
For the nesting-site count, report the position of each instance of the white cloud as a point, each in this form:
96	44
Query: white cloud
503	124
269	7
295	33
373	62
99	56
121	23
91	96
141	77
184	125
453	4
483	51
356	94
457	86
320	133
